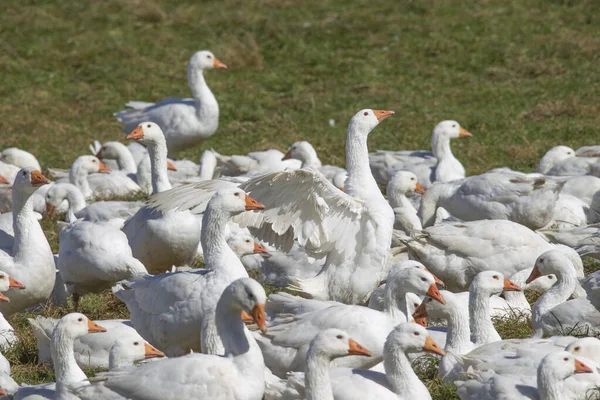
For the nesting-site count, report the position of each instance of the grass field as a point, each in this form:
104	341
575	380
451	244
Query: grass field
522	76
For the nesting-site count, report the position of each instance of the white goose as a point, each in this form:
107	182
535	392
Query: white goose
91	350
403	184
305	152
353	229
27	257
7	333
69	328
456	252
160	240
439	165
206	376
186	122
286	344
494	195
552	313
80	170
562	160
169	309
19	158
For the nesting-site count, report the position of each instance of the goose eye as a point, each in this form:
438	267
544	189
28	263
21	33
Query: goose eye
339	337
366	113
247	241
424	279
454	125
80	319
550	277
416	333
1	276
577	348
416	305
566	359
208	56
541	260
236	194
94	161
496	277
136	343
412	179
24	173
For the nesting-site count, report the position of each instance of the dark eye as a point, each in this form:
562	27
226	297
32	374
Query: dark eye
80	319
454	125
1	276
550	277
24	173
136	343
366	113
148	126
424	279
339	337
566	358
209	56
94	161
247	241
416	333
496	277
236	194
541	260
577	348
412	179
416	305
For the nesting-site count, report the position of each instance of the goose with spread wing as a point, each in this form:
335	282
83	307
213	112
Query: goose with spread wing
352	228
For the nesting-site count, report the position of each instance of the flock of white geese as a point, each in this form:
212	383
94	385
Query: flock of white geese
368	271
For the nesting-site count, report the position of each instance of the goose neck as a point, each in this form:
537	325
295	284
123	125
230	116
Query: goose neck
125	159
28	232
440	146
480	320
63	358
310	159
75	198
158	166
207	107
550	387
394	303
399	372
360	182
214	237
566	282
399	200
458	337
429	204
78	176
317	381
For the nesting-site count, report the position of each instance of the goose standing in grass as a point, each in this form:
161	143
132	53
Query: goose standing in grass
169	310
440	165
239	374
69	328
185	122
306	153
27	256
529	201
160	239
352	229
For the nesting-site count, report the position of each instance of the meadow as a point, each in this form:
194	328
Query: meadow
522	76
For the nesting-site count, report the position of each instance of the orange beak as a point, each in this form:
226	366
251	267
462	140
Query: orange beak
218	64
152	352
136	134
103	168
421	321
464	133
581	368
252	204
247	318
4	298
510	286
170	166
3	180
258	315
535	273
259	249
435	294
437	280
355	349
420	312
94	327
3	392
432	347
419	189
14	284
287	156
37	179
50	210
382	114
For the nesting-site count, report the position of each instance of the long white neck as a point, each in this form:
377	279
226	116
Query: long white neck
400	375
75	198
144	175
440	146
480	320
458	337
117	360
213	238
399	200
394	303
310	159
78	176
29	237
63	357
550	387
208	164
430	203
566	282
207	108
316	378
360	182
125	159
157	151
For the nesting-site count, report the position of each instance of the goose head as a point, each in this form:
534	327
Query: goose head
417	265
300	151
366	120
204	60
559	366
588	347
404	182
4	180
541	284
436	310
56	194
335	343
20	158
130	351
243	245
90	164
248	298
111	150
451	130
147	133
28	180
233	201
492	283
76	325
414	280
550	262
554	156
7	283
410	338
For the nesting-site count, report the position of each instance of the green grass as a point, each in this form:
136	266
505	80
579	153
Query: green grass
522	76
